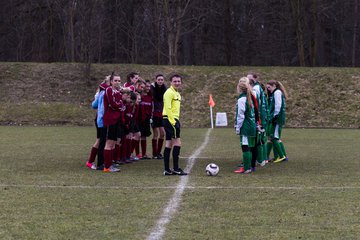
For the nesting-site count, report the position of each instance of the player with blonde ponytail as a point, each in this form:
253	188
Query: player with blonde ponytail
245	123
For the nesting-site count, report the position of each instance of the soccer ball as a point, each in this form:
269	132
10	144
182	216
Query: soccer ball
212	169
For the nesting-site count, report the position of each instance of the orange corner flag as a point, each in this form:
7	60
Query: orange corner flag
211	101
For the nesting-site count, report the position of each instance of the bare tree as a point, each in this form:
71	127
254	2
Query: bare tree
354	34
314	33
298	16
179	22
66	11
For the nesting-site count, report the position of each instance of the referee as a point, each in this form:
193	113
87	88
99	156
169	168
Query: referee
171	114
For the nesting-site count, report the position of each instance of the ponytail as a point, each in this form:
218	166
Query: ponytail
248	96
244	87
279	86
111	78
130	76
282	89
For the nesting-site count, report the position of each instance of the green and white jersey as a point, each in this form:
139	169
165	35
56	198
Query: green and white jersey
263	106
245	117
258	91
277	106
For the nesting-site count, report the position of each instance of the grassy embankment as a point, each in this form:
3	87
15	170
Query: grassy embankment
58	93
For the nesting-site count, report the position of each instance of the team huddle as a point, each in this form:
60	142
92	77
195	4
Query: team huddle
259	118
127	112
124	118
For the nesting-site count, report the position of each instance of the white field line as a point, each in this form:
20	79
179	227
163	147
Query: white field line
186	187
196	158
171	208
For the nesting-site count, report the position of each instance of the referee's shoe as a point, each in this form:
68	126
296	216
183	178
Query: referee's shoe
168	173
179	171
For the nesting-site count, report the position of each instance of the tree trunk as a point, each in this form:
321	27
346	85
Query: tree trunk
51	50
314	35
116	37
71	31
353	50
228	32
170	36
171	48
174	15
157	22
295	7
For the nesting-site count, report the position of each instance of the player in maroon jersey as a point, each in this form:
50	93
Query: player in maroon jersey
136	127
98	147
146	106
158	89
131	80
113	105
125	93
130	114
124	129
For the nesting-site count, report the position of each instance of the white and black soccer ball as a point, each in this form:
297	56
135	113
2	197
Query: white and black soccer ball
212	169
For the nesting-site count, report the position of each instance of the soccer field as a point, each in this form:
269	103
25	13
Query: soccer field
46	192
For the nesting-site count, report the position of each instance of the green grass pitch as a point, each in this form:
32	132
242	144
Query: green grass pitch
46	192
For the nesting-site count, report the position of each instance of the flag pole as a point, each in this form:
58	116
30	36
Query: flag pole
211	104
211	118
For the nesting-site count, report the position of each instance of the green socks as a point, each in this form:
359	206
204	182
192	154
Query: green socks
261	153
277	148
268	149
282	148
247	160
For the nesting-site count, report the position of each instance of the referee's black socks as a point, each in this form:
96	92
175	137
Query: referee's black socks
167	158
175	154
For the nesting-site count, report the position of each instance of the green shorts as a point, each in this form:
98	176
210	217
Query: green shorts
246	140
275	131
261	138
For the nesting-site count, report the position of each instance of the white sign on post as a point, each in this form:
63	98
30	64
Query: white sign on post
221	119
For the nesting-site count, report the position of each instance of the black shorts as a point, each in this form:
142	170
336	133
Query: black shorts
157	122
98	133
120	130
145	128
170	130
112	132
126	129
134	128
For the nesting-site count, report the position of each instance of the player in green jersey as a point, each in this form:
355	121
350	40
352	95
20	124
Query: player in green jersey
277	106
245	123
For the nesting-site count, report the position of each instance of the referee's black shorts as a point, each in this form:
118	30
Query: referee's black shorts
170	130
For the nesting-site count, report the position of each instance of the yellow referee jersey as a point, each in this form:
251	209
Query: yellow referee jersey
172	100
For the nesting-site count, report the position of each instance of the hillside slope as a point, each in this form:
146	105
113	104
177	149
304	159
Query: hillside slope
58	93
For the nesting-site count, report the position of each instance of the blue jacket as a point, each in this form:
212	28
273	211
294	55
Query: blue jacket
98	104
